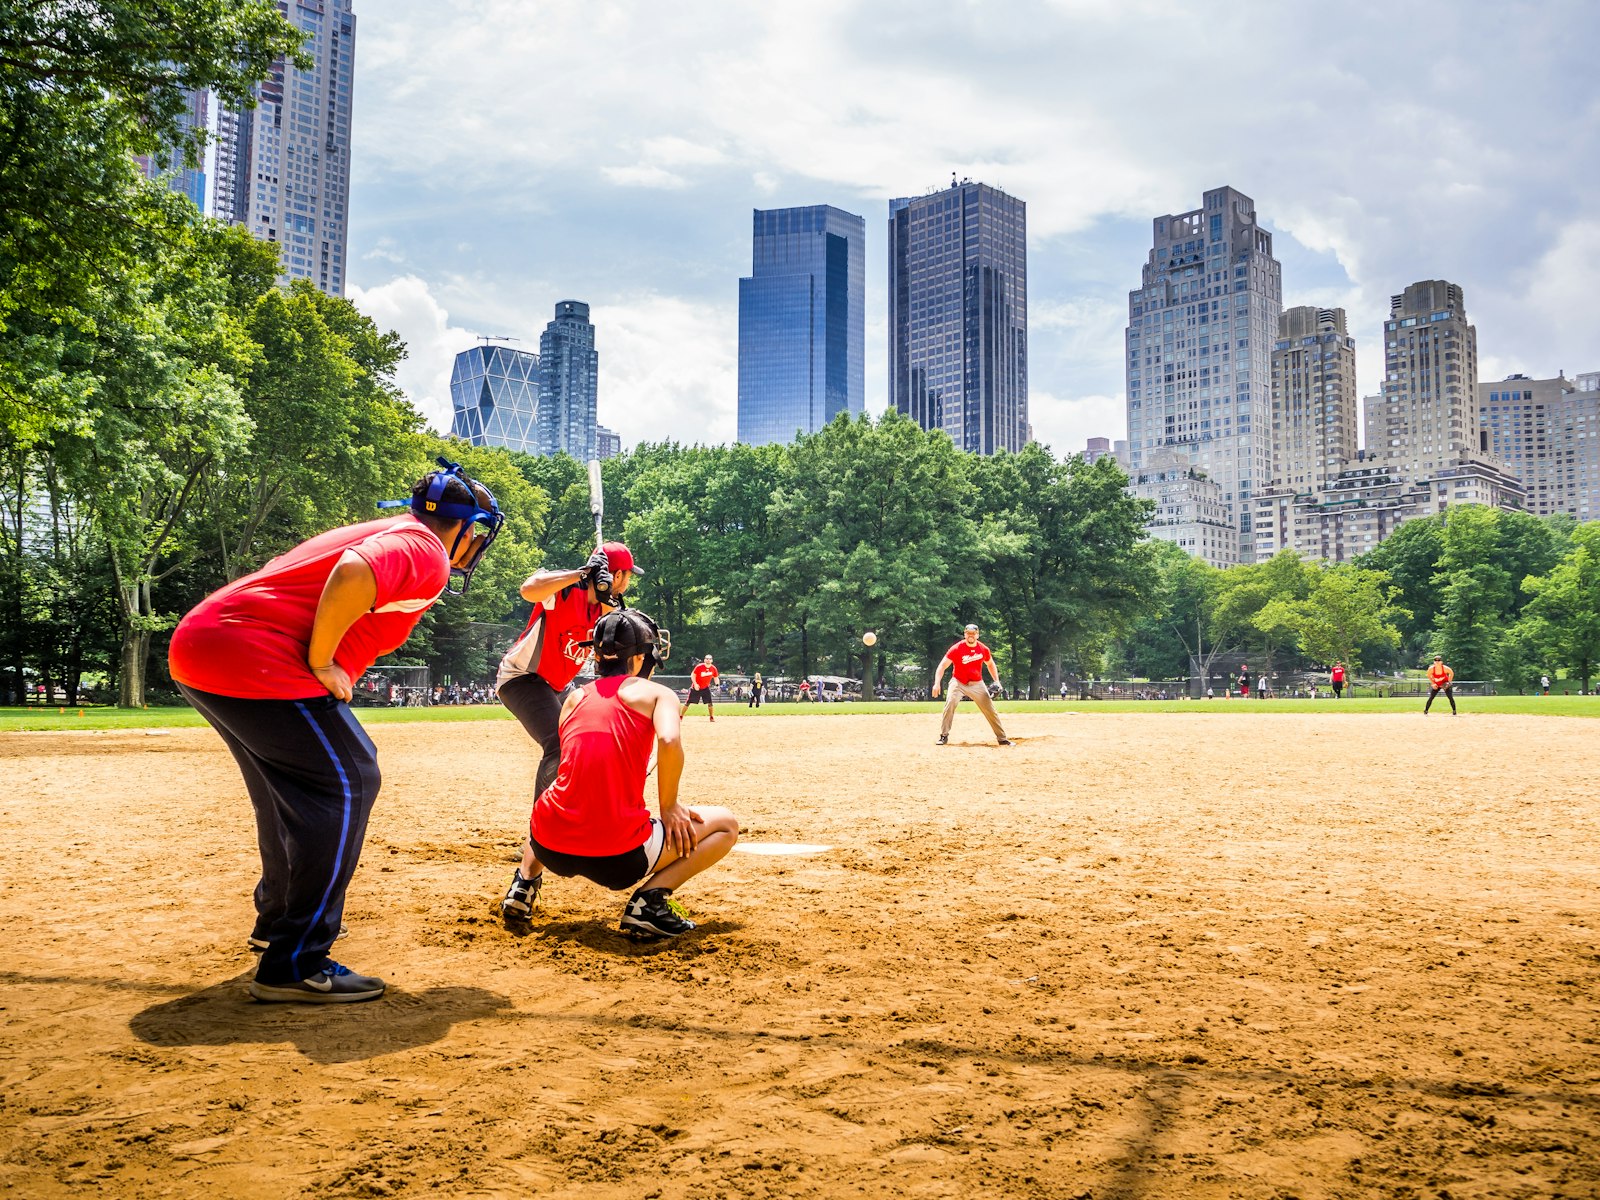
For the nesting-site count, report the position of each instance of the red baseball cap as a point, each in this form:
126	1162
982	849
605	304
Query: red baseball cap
620	558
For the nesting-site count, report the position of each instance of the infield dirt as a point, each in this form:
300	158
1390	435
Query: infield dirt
1210	955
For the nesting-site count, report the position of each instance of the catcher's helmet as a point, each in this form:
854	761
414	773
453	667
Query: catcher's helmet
621	635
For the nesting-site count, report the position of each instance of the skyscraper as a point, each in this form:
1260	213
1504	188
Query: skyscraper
569	379
1548	433
283	168
1314	411
1201	328
494	391
1427	416
802	323
958	315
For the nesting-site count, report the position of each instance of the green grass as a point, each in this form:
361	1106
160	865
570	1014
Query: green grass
13	720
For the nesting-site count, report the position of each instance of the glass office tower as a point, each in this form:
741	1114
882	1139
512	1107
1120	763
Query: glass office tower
170	166
802	323
494	391
958	315
569	379
283	167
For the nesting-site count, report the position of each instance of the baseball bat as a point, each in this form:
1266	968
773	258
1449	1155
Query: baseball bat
597	500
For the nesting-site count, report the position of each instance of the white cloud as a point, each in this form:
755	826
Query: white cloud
646	176
406	306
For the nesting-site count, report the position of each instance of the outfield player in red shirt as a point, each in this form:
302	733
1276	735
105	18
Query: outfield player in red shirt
593	822
270	661
1440	679
701	679
1336	678
967	660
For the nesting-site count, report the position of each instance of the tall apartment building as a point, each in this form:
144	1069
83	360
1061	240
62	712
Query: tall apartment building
958	315
802	322
1547	431
607	442
179	175
1314	411
1201	328
569	381
494	395
1427	416
283	168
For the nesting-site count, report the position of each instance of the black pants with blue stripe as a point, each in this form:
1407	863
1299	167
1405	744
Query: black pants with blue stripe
312	775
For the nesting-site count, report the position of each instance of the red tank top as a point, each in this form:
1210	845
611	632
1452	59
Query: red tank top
596	805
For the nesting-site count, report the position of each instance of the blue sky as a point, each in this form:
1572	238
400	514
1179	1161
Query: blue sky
512	153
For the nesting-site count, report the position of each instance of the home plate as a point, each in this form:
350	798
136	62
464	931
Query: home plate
779	848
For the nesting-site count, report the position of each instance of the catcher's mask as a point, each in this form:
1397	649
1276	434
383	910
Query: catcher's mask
621	635
430	502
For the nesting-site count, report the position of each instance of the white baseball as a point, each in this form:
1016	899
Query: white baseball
870	638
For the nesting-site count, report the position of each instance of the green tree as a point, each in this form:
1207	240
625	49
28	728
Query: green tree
83	87
1474	589
1345	609
1562	616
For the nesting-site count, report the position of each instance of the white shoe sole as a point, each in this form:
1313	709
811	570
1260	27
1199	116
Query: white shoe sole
295	994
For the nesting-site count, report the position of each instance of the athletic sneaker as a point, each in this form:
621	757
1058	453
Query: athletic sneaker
1003	742
944	739
650	912
521	897
331	985
257	945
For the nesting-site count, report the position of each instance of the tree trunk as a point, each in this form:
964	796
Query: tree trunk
868	691
135	646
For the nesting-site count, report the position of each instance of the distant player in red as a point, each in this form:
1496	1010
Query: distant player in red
1440	679
1244	681
967	660
271	660
593	822
1336	679
702	679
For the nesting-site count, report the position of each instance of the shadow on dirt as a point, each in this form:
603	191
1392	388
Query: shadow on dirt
224	1015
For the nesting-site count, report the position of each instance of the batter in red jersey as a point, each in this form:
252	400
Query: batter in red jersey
544	660
701	680
270	661
592	822
967	660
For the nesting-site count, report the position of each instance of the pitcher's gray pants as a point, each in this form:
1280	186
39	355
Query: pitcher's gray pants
979	695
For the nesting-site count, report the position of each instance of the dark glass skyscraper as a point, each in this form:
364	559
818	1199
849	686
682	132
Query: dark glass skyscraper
569	379
802	323
958	315
494	391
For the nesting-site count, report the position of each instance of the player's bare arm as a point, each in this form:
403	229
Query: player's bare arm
938	674
541	585
348	595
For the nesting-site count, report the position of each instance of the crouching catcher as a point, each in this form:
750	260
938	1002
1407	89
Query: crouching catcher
593	822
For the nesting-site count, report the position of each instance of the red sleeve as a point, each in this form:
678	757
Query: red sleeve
987	657
409	566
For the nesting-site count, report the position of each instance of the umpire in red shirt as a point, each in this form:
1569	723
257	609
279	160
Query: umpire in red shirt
270	661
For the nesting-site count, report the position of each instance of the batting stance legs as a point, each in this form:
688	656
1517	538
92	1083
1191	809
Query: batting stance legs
979	695
537	707
312	775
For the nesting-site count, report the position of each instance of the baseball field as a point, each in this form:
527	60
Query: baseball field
1138	954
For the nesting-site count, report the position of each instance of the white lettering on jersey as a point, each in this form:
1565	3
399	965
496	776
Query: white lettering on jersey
409	606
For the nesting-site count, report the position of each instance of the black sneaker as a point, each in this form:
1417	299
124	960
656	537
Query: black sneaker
944	739
257	945
521	897
1003	742
331	985
651	913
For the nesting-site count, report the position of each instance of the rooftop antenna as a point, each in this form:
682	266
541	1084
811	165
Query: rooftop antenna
496	337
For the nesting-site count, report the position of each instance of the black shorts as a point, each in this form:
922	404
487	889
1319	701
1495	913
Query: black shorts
615	872
696	695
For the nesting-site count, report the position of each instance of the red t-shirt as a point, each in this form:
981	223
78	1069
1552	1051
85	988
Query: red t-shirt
1338	675
596	805
967	661
704	676
549	646
249	639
